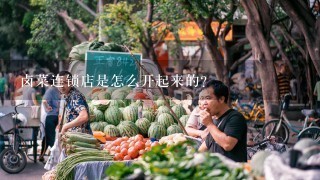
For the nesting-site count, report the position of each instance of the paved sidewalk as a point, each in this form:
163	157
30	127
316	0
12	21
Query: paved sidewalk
33	171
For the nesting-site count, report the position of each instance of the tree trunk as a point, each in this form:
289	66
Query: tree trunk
102	24
308	25
149	48
257	32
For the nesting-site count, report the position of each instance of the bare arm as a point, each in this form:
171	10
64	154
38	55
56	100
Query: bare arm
203	147
34	99
81	119
226	142
193	132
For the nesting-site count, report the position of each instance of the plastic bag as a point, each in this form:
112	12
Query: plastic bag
276	169
43	120
54	155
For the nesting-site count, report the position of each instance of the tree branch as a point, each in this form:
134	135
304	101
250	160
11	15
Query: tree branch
293	41
84	6
71	26
23	6
283	54
240	61
239	44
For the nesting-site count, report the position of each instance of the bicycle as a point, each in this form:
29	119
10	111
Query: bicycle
255	117
12	159
279	128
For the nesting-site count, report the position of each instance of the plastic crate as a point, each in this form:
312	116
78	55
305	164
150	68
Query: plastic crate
6	123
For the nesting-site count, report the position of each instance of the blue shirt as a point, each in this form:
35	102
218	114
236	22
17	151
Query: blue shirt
52	96
76	102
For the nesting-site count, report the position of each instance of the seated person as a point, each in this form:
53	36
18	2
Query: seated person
193	127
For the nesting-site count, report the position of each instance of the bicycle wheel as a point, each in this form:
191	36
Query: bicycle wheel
310	132
11	162
281	133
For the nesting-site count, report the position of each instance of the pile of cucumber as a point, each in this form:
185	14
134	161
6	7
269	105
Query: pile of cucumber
77	142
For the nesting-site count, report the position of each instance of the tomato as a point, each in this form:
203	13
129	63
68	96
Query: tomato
127	157
141	152
118	157
108	147
131	144
139	145
124	151
138	137
148	143
133	152
118	149
125	145
123	142
125	138
113	148
147	149
117	142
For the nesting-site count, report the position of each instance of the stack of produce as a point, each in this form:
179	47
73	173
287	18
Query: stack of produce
173	139
64	170
126	148
78	142
177	162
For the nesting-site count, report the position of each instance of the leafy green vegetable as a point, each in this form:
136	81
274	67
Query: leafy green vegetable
177	162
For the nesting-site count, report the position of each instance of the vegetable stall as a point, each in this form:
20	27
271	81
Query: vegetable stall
138	135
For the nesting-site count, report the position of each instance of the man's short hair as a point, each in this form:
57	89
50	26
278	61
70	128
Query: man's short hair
50	78
65	73
219	89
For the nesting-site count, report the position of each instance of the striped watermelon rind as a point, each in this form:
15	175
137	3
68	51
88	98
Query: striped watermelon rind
179	110
184	119
128	128
113	115
148	115
143	124
173	129
130	113
157	131
166	120
111	130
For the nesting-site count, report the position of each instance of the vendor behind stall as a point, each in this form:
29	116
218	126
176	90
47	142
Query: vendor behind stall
77	111
228	134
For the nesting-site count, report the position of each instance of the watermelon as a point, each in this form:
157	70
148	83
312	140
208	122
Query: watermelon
119	94
102	125
128	128
102	105
166	120
153	124
137	103
113	115
163	109
104	95
179	110
157	131
160	102
143	124
130	113
117	103
184	119
148	115
98	115
111	130
95	126
173	129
